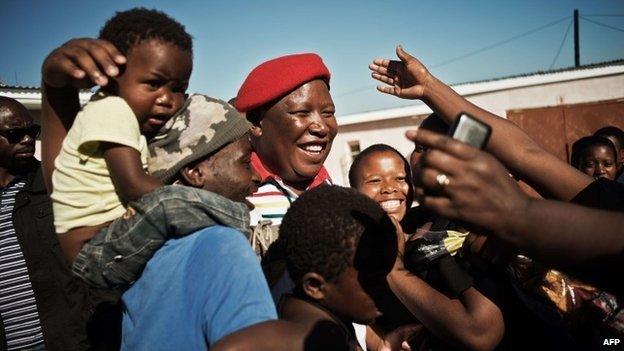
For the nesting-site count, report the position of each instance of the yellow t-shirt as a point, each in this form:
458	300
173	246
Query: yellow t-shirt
83	191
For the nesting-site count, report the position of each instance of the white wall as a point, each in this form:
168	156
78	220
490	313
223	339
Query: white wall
392	131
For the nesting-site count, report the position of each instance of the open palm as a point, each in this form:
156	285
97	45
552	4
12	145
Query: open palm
406	79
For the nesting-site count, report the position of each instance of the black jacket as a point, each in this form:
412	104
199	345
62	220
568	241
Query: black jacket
61	298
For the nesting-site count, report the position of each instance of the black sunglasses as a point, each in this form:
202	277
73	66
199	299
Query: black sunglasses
16	135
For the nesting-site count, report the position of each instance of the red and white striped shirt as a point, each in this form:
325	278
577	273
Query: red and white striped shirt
273	197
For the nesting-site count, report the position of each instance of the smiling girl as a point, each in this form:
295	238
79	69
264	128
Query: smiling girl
383	174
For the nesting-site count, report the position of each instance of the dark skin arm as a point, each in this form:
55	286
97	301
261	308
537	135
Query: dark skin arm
472	321
58	110
395	340
126	170
410	79
79	63
131	182
276	335
480	193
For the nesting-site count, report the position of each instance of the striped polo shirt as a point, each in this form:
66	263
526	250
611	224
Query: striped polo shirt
273	197
17	301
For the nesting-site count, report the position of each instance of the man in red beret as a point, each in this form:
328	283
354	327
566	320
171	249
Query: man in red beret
293	115
288	102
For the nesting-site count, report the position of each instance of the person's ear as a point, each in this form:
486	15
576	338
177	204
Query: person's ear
193	176
314	285
256	117
256	130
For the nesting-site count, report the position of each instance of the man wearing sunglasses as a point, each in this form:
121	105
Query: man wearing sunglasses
39	297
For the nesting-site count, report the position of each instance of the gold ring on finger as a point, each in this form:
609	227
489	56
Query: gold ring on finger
443	180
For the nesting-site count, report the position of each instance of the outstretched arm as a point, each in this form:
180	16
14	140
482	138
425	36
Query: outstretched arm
480	193
410	79
472	321
79	63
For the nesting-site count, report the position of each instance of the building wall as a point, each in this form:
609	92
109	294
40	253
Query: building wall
392	131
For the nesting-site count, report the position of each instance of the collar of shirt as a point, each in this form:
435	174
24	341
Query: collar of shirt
321	177
16	179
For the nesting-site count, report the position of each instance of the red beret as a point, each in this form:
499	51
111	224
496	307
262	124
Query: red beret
278	77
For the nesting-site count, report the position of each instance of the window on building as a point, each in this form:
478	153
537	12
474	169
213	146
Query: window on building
354	148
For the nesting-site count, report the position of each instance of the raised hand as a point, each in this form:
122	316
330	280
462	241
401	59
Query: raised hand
463	183
82	63
406	79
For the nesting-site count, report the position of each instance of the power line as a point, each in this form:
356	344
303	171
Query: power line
602	24
491	46
565	36
472	53
600	15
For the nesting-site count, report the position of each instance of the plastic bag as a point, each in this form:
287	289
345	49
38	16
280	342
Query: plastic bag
577	304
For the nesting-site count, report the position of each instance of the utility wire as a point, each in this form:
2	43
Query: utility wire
565	36
602	24
622	15
491	46
472	53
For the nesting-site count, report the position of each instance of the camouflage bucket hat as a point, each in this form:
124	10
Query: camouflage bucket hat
201	127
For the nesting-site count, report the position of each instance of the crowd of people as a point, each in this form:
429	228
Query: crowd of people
162	221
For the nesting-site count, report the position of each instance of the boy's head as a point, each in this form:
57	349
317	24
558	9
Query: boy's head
595	156
206	145
339	245
159	55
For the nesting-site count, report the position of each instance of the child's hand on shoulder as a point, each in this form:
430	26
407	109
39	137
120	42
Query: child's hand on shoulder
82	63
407	79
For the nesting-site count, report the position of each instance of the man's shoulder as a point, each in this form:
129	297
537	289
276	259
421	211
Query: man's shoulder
34	177
222	230
217	235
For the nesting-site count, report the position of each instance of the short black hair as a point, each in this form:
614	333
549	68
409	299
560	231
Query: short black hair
580	146
129	28
612	131
378	148
11	105
322	229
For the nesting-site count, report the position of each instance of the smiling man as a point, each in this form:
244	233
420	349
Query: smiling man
288	102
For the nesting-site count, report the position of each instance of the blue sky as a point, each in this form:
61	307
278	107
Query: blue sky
232	37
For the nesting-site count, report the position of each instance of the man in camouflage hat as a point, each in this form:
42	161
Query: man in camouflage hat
189	150
209	284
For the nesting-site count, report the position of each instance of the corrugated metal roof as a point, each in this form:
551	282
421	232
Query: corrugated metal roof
467	89
30	96
18	87
618	62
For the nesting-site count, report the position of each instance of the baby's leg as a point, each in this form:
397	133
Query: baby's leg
116	256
